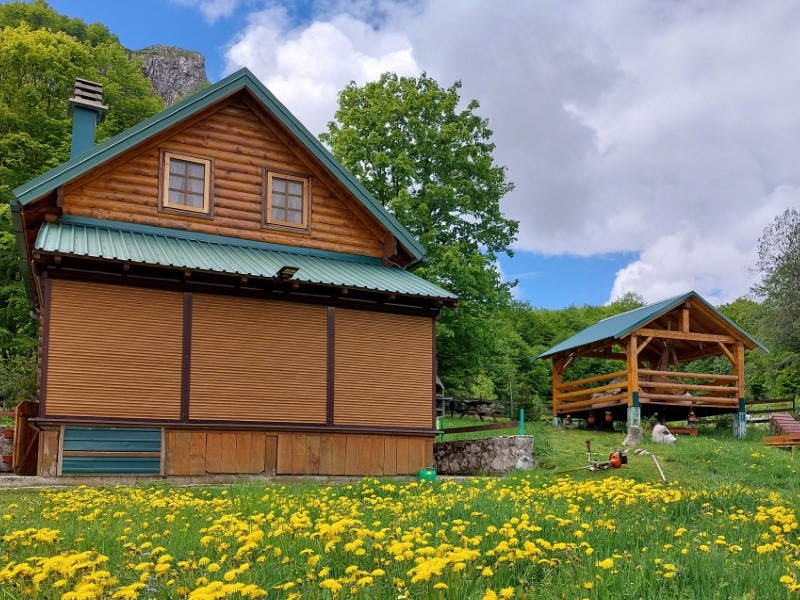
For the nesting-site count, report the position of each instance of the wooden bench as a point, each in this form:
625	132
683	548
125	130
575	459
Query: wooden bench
782	441
683	431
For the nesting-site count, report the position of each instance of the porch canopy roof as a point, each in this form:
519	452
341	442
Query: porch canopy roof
160	246
707	322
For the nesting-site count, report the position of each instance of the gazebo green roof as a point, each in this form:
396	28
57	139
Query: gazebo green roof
620	325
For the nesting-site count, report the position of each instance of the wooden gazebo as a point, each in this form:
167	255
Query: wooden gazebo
654	343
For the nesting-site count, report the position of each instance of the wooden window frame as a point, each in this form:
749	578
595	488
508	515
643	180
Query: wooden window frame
266	202
164	206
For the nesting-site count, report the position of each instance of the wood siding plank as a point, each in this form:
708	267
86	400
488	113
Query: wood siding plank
339	459
197	458
271	455
312	454
214	452
257	453
183	452
383	369
114	351
415	459
326	454
284	454
298	454
228	454
402	456
364	455
377	455
243	450
258	360
390	455
351	455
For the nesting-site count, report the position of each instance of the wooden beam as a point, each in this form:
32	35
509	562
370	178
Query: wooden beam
594	390
687	336
738	368
603	354
585	380
727	352
593	402
688	375
633	368
558	371
684	322
675	385
643	345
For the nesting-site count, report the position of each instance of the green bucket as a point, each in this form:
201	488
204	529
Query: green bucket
427	474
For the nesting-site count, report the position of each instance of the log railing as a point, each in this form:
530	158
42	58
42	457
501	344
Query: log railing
574	395
717	390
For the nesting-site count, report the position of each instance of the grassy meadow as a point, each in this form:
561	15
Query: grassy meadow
723	526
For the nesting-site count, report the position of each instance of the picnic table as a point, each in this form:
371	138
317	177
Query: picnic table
474	407
787	432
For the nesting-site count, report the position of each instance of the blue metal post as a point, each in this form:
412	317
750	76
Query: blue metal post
522	421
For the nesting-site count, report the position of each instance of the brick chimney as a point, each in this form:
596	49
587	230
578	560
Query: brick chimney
87	110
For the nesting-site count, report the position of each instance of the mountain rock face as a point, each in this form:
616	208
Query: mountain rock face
173	72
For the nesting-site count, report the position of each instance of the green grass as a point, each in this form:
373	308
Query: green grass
725	524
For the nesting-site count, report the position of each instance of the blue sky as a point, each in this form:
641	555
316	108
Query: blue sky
649	143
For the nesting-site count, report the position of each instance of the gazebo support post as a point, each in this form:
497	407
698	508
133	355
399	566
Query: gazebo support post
558	371
740	419
634	409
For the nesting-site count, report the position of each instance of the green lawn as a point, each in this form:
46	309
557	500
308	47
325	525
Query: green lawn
725	526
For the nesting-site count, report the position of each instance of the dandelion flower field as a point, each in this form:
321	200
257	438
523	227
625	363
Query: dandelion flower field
532	536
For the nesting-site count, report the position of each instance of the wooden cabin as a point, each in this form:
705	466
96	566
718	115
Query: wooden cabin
652	346
218	295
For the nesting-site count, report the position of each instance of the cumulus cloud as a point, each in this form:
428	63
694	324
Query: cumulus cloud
213	10
307	66
670	130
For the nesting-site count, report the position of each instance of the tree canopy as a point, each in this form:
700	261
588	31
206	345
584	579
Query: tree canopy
430	162
41	54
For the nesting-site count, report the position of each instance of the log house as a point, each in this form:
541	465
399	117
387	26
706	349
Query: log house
218	295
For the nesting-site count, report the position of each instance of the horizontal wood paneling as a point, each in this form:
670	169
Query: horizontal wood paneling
383	369
198	453
114	351
352	454
242	146
257	360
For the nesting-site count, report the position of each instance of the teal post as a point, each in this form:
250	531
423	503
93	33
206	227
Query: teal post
522	421
740	420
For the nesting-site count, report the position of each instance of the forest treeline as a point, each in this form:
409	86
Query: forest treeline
422	152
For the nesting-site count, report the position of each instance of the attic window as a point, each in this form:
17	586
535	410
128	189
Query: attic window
186	182
287	201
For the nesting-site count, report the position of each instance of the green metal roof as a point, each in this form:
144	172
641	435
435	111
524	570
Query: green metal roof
242	79
622	324
160	246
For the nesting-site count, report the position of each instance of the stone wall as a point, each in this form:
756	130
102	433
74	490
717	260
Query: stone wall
6	447
491	456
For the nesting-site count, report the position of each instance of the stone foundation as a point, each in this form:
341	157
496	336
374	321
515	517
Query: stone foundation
6	447
491	456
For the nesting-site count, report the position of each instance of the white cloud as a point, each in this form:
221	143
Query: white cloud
213	10
666	129
306	67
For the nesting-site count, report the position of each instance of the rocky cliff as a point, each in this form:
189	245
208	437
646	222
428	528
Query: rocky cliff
174	72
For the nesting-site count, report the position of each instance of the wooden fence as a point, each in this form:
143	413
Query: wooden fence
789	404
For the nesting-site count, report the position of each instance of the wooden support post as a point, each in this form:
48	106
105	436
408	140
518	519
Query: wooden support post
634	410
558	372
740	419
685	319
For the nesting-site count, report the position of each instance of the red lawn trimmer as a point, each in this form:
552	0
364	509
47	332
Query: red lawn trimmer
615	460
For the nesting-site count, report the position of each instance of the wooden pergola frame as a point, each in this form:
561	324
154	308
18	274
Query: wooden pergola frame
688	332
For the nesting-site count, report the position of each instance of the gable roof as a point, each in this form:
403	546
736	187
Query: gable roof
162	246
620	325
242	79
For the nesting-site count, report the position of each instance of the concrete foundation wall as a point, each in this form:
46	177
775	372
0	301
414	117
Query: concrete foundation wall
494	455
